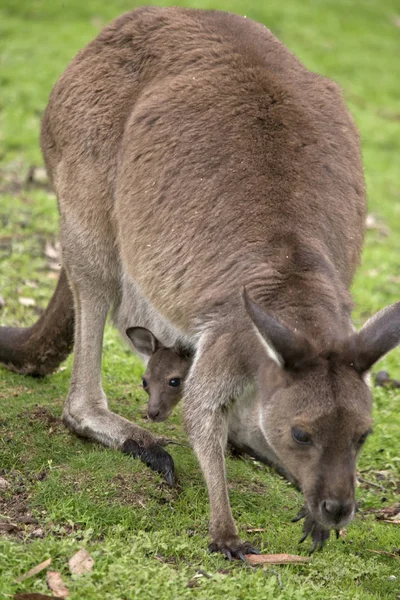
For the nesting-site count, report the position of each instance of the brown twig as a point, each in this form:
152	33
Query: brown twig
384	552
377	485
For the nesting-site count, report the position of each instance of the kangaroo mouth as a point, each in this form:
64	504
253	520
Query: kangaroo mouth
159	417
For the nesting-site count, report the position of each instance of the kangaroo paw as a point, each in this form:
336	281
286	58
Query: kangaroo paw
153	456
318	534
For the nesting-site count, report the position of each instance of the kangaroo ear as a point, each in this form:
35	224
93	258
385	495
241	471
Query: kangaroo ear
380	334
144	341
284	346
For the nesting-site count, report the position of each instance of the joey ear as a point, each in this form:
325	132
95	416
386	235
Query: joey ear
144	341
285	347
380	334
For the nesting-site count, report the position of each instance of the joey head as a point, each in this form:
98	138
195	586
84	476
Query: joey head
165	372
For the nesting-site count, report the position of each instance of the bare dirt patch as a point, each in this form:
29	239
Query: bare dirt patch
127	492
42	415
16	516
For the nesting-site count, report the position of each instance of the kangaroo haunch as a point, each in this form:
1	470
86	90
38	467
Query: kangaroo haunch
192	156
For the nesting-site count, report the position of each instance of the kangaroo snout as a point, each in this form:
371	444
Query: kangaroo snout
153	414
337	512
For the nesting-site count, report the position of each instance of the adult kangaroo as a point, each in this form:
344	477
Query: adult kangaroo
210	189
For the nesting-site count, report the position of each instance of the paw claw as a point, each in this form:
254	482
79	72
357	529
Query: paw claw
233	550
301	515
212	548
303	537
169	477
251	550
311	528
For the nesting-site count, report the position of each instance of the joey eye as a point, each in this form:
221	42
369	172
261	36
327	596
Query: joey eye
363	437
144	383
301	437
175	382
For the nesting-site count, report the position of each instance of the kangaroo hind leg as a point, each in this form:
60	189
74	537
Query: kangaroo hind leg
86	410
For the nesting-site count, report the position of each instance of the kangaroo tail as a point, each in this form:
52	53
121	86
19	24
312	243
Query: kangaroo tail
38	350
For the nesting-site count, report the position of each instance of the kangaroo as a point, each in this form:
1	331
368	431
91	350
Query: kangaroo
211	190
165	372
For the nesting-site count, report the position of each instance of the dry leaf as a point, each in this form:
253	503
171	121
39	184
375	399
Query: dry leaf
392	521
4	484
55	266
98	22
384	552
32	596
27	301
256	529
391	510
40	175
35	570
38	533
8	527
56	584
371	222
395	517
52	252
81	562
396	21
275	559
390	514
36	175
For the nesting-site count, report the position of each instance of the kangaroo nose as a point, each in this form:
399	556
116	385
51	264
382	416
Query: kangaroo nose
336	511
153	414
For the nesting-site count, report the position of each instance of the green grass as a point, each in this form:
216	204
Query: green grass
148	541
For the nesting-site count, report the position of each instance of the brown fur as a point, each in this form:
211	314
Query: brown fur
192	155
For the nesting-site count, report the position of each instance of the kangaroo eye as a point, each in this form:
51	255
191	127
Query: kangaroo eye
144	383
175	382
301	437
362	439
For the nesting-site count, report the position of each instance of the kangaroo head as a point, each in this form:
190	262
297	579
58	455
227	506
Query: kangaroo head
165	372
315	408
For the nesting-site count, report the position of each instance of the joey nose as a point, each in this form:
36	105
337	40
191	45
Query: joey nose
153	414
336	511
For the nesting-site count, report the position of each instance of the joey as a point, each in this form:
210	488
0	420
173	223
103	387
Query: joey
165	372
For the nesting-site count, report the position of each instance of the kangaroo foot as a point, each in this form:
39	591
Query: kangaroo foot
233	548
